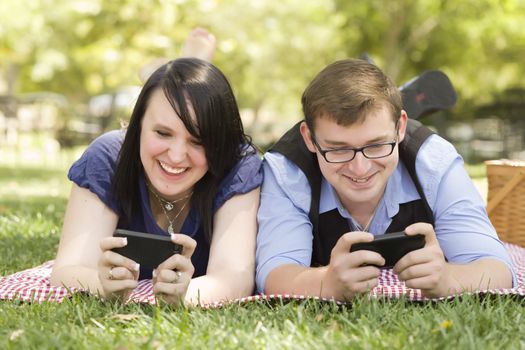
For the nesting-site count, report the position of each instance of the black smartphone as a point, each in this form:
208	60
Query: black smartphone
392	246
147	249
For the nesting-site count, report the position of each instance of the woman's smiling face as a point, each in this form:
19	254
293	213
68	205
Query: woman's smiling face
173	160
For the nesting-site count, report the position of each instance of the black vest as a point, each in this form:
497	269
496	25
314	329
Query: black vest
330	226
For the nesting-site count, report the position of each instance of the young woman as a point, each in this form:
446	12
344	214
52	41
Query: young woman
183	167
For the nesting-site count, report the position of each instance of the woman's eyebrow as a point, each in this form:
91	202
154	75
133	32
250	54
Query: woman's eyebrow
161	125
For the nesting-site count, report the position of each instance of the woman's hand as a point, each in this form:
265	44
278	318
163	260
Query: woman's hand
172	277
118	275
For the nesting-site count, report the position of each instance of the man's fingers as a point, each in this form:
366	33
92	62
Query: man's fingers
412	271
423	229
345	241
414	258
425	283
365	286
366	258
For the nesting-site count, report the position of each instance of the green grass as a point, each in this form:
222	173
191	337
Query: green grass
32	205
29	233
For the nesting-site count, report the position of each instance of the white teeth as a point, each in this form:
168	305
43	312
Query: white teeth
360	181
171	170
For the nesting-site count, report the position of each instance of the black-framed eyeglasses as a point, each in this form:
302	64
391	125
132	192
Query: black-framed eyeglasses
343	155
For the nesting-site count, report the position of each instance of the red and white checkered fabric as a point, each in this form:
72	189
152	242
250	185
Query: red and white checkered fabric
32	285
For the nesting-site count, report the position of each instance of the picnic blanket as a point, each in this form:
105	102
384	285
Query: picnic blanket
32	285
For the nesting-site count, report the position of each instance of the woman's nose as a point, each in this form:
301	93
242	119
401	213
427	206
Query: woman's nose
177	151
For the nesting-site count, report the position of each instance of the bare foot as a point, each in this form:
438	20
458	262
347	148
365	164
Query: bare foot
200	44
147	70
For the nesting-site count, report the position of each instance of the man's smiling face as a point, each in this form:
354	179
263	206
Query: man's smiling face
360	181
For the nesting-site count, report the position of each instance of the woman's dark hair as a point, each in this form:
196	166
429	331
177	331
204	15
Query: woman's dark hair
218	127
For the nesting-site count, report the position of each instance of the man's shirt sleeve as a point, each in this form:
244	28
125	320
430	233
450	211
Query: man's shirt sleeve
462	226
285	231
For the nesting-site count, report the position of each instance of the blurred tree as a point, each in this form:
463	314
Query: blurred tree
269	50
478	43
82	47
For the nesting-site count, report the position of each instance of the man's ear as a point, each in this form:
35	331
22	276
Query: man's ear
402	126
307	137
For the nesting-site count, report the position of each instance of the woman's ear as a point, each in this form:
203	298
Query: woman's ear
307	137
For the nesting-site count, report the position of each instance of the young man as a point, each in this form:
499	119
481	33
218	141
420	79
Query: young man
358	167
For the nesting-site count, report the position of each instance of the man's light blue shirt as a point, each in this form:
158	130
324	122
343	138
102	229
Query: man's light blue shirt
462	226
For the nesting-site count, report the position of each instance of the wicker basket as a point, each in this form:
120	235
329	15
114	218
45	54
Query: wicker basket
506	199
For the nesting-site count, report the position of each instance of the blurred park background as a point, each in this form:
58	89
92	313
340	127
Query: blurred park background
68	68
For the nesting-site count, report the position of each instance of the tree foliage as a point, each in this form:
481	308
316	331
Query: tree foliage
269	50
477	42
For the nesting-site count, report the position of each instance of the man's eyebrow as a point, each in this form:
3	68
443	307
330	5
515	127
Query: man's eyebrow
336	143
342	144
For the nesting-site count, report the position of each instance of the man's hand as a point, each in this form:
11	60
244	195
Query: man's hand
351	273
425	268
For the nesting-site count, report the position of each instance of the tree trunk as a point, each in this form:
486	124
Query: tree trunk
9	106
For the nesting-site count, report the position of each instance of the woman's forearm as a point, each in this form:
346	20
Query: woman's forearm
214	287
77	277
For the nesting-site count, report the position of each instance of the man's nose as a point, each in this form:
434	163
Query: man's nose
360	165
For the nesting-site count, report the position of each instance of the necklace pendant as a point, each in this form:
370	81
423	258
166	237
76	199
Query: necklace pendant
170	229
168	206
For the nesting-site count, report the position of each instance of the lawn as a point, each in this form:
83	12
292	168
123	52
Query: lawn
32	203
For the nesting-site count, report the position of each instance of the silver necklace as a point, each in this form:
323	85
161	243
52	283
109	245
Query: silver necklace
367	226
168	205
165	210
170	226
